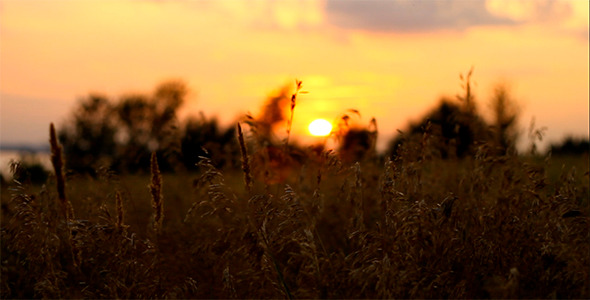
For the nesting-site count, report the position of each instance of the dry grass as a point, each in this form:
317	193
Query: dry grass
58	165
245	159
415	226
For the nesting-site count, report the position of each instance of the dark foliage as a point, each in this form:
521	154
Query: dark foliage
205	138
455	129
31	172
355	145
449	130
89	139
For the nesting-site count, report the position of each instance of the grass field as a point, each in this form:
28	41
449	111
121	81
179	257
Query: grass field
477	227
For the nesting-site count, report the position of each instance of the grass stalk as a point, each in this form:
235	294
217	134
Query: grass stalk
292	110
58	165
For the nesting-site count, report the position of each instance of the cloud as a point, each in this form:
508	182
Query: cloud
428	15
408	15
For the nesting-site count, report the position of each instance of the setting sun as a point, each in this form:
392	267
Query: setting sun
320	127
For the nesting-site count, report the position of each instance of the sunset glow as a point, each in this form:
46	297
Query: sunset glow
320	127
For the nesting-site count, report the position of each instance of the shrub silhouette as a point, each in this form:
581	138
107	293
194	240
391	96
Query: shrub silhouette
571	146
357	143
505	116
205	138
29	170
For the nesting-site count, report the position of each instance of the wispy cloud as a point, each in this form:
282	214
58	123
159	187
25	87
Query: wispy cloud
531	10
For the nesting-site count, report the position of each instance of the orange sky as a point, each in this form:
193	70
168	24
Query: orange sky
391	60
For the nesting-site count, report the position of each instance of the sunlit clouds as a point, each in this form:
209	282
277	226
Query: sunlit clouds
527	10
233	54
284	15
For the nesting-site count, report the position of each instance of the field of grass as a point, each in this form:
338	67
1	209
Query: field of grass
409	227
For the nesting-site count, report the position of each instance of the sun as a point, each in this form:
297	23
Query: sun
320	127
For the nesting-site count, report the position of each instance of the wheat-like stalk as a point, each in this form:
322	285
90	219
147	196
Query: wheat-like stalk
245	160
156	192
58	164
66	207
293	104
120	225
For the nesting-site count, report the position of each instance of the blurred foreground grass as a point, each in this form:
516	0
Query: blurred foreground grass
478	227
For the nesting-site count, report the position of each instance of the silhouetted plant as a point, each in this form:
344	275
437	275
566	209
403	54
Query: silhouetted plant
505	117
30	170
467	99
356	143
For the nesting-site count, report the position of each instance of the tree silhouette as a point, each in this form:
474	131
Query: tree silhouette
272	115
89	140
135	137
455	129
450	130
123	135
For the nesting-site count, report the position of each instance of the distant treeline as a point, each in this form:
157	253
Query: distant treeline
120	134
